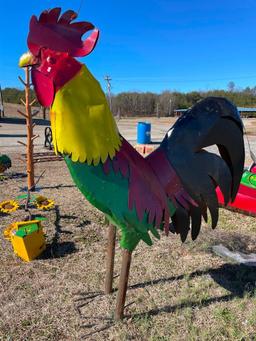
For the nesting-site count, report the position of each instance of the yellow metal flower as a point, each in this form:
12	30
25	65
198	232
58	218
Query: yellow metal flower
9	229
44	203
8	206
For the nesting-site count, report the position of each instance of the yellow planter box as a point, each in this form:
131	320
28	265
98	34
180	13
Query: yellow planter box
27	239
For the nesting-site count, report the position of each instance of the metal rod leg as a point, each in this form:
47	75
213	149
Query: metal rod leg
123	282
110	259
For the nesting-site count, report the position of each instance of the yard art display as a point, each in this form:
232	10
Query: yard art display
138	195
245	201
26	236
27	239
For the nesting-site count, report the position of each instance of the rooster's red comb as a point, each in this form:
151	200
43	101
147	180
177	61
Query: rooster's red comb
58	33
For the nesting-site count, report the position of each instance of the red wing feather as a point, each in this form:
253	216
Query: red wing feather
146	193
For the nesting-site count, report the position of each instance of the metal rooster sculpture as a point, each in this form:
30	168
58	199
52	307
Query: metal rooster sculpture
139	196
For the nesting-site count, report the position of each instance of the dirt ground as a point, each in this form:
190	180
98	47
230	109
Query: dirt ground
176	291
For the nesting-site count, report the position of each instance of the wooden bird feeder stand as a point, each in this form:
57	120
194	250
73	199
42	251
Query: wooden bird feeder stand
30	136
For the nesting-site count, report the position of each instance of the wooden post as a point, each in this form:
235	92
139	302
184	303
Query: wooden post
110	258
123	283
30	161
30	137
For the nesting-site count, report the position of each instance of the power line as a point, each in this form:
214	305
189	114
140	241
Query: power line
80	6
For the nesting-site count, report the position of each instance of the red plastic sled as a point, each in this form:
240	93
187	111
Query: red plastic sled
245	201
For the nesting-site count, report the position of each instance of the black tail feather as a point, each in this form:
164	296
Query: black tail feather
196	218
213	121
181	223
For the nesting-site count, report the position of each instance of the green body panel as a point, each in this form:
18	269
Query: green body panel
109	193
249	179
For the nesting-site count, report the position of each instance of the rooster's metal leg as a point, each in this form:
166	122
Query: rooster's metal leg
123	282
110	258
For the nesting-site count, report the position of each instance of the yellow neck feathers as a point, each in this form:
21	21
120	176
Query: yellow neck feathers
82	124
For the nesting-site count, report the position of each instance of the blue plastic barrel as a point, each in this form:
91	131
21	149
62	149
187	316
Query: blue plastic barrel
143	132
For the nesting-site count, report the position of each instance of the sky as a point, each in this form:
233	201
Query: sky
149	45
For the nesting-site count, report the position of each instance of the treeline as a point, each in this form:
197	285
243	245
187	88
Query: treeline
165	104
151	104
13	95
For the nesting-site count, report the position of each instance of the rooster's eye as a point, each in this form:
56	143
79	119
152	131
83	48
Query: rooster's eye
51	60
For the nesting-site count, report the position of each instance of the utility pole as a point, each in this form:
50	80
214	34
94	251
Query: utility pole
108	79
157	110
170	107
1	103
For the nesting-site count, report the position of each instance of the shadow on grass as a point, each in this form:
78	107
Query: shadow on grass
190	304
57	186
96	324
84	223
238	279
13	175
59	249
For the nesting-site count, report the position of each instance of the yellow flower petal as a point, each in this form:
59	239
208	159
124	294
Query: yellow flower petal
44	203
8	206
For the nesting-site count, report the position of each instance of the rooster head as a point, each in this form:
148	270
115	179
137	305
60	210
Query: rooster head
53	42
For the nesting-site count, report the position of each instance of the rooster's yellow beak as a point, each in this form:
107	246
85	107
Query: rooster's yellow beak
27	59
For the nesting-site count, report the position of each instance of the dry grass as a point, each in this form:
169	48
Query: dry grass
176	291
